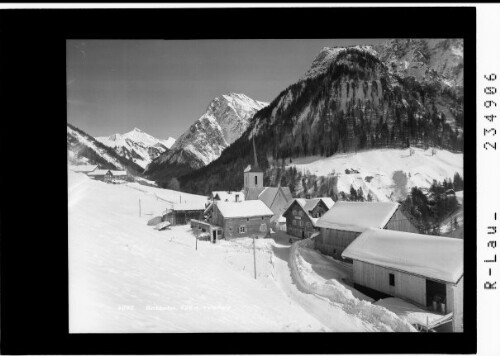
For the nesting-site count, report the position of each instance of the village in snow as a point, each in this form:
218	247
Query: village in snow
147	259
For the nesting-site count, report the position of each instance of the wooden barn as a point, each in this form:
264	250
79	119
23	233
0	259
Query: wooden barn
118	175
302	214
101	174
246	218
422	269
182	213
346	220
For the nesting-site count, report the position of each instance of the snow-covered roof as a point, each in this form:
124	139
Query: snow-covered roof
208	208
434	257
358	216
99	172
189	205
311	203
247	208
119	173
268	195
253	193
229	195
83	168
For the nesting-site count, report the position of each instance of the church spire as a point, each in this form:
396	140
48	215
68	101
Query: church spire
254	154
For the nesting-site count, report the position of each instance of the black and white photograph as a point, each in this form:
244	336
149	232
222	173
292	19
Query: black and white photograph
265	185
249	178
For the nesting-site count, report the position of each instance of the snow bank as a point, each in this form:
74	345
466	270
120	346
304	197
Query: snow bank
338	293
409	312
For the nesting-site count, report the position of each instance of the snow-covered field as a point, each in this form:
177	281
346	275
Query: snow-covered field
376	169
127	277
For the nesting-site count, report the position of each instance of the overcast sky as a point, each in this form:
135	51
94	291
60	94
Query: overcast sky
163	86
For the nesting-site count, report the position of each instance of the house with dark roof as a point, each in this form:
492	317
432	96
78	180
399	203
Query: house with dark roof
276	198
345	221
302	214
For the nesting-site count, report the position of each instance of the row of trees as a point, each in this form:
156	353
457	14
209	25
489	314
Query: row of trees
429	210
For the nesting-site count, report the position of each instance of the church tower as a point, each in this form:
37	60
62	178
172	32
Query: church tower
253	175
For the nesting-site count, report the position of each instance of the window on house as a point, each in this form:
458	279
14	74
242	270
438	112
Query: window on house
255	180
262	218
308	224
294	212
391	279
248	219
243	229
294	222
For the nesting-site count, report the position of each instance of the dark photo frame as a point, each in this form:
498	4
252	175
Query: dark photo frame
34	227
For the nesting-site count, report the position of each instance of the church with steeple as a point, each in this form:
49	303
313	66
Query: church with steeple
253	175
276	198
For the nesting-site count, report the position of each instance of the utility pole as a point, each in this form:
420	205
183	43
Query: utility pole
254	260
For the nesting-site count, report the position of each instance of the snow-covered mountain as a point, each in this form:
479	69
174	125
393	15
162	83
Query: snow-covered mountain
137	146
348	100
85	149
224	121
427	60
328	55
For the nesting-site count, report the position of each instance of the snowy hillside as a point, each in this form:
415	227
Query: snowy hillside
83	149
225	120
387	174
127	277
137	146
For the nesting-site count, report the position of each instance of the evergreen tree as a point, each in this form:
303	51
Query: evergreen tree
353	195
458	183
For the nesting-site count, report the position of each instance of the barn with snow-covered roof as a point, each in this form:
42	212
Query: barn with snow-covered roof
345	221
242	219
101	174
423	269
182	213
